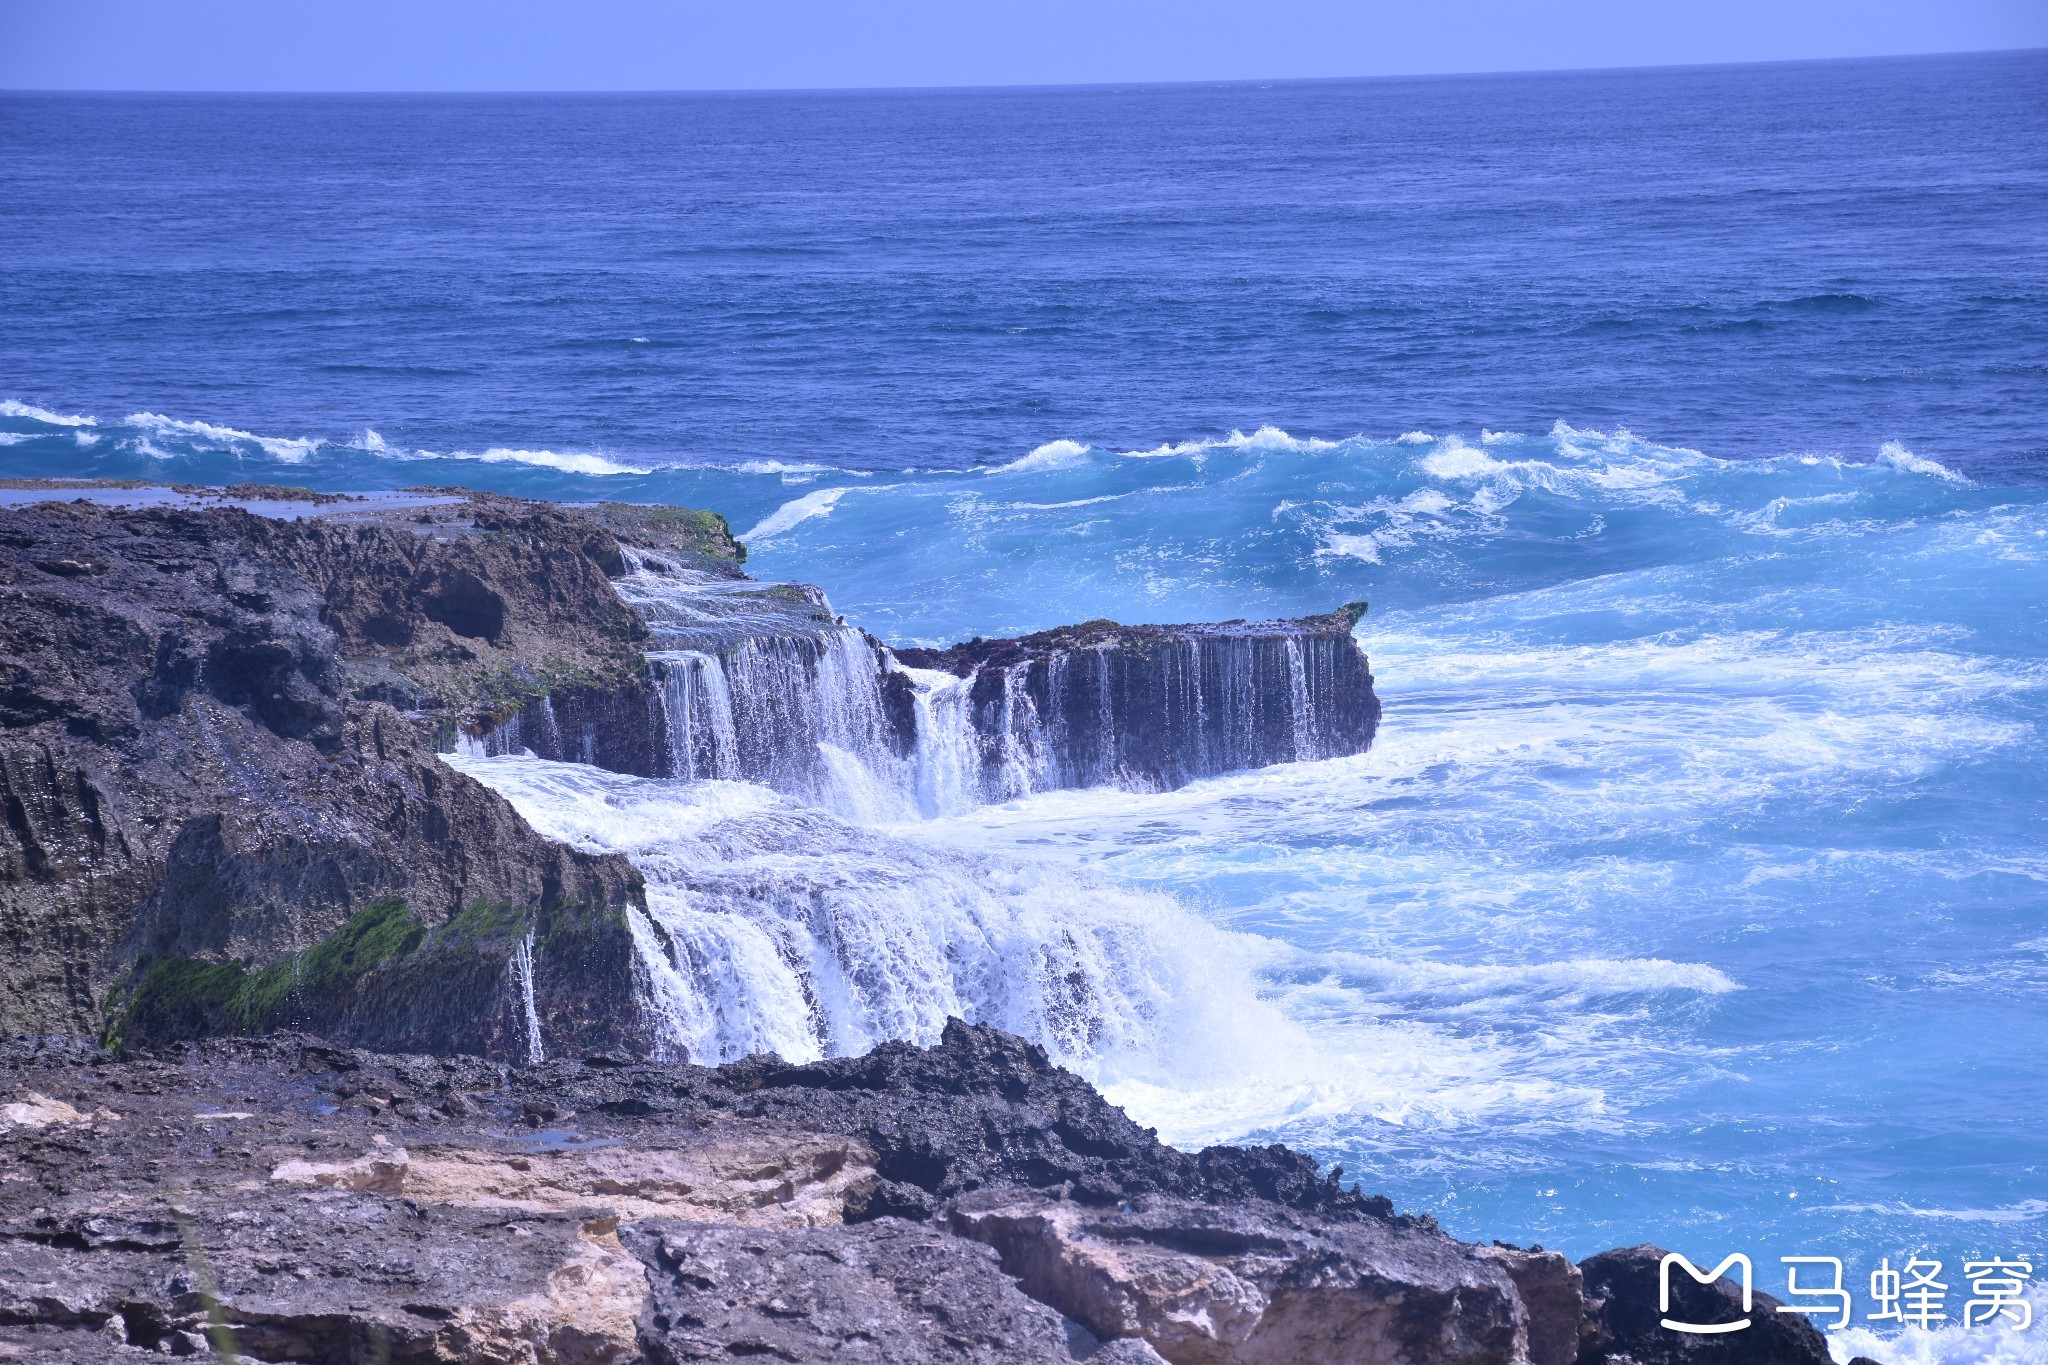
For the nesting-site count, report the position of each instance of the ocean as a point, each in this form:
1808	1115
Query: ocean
1685	430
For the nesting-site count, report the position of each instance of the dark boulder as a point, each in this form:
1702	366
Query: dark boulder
1625	1320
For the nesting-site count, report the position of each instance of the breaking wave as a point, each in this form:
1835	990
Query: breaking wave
1700	837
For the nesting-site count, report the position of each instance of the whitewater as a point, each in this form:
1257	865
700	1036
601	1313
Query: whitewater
1691	893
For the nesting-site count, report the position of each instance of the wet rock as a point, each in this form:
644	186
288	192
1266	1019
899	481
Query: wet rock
1624	1318
1158	707
1252	1284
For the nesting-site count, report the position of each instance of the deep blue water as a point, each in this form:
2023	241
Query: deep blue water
1684	428
1748	261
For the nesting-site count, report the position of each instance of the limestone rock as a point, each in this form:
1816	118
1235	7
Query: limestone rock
1253	1285
39	1111
381	1170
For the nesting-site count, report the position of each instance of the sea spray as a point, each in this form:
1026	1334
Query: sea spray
783	928
774	927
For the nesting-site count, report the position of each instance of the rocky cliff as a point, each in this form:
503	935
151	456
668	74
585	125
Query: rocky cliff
297	1201
213	815
750	679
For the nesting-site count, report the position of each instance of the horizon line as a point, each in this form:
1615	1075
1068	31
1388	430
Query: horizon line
1672	67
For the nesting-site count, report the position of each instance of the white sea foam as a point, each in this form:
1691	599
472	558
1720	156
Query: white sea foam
570	462
1264	439
10	407
1358	546
795	512
1066	454
1060	454
781	904
1455	460
207	435
1984	1343
796	932
798	467
2025	1211
1572	982
593	463
1896	456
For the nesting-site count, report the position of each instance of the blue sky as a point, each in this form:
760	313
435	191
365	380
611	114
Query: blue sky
808	44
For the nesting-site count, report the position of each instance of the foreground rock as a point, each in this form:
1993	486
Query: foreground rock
965	1203
1250	1283
1622	1322
883	1292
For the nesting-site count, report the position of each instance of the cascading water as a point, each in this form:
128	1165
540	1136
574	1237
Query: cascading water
773	926
948	754
697	706
1301	708
522	969
760	683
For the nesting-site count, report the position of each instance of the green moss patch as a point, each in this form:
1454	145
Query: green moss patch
686	530
182	998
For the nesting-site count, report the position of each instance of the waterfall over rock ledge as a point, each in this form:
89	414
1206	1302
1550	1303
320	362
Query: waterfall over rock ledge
761	682
1151	707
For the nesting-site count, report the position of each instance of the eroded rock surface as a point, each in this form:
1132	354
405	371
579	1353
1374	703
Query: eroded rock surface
201	767
884	1291
964	1203
1253	1284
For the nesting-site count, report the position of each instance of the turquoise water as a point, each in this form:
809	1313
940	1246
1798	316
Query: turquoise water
1695	891
1695	886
